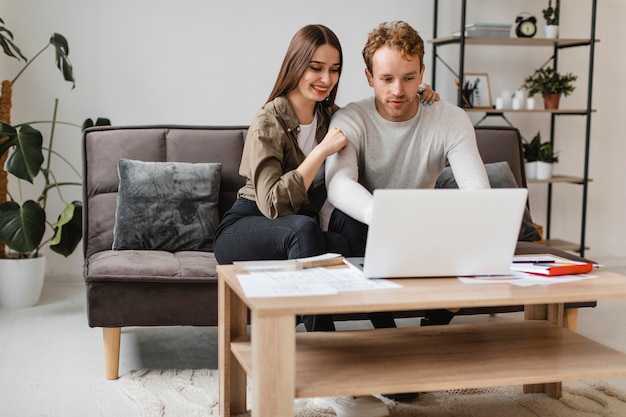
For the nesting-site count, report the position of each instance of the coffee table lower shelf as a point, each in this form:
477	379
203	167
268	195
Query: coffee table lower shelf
442	357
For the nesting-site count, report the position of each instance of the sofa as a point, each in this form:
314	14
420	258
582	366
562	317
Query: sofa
177	286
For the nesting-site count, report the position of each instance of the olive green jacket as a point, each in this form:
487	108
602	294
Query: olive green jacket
270	157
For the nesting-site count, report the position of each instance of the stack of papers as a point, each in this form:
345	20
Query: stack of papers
530	270
550	265
307	282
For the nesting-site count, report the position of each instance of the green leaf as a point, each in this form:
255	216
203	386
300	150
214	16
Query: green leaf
6	41
22	227
68	229
26	159
101	121
62	50
86	124
10	132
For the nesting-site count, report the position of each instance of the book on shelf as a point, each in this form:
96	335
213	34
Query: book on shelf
486	29
487	33
489	26
550	265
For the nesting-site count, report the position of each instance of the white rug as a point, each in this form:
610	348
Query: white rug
191	393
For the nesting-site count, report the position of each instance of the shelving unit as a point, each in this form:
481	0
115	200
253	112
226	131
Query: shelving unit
557	45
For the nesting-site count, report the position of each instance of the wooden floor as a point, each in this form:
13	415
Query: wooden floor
51	361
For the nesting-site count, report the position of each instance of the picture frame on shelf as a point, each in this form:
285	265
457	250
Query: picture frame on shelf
476	90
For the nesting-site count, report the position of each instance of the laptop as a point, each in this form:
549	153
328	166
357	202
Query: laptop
442	232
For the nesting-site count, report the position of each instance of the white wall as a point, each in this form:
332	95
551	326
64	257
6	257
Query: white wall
209	62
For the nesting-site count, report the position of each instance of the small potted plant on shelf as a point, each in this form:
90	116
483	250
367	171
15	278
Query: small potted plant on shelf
551	14
551	85
539	158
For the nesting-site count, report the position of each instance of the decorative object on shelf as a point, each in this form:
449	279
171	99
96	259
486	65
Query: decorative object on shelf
551	30
507	98
476	90
539	158
547	82
525	25
518	100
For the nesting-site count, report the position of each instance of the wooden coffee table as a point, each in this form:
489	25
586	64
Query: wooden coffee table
537	352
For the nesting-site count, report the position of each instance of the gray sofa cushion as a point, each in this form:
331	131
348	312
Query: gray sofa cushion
141	266
170	206
500	176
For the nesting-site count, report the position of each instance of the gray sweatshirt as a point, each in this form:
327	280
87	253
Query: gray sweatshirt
411	154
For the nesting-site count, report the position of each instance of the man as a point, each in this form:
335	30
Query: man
394	142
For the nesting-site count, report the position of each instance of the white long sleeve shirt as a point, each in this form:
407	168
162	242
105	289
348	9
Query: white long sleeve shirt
410	154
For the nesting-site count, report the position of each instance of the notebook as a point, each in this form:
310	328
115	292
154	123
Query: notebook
443	232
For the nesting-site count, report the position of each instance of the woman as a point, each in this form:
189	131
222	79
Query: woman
276	214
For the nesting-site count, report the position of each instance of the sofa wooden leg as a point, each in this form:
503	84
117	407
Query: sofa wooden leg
111	336
571	319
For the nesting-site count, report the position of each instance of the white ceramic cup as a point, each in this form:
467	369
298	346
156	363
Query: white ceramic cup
499	103
530	103
516	103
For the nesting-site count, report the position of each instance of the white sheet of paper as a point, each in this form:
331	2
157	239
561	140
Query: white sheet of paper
307	282
523	279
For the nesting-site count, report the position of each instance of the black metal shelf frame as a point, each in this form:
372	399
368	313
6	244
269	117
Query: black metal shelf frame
462	42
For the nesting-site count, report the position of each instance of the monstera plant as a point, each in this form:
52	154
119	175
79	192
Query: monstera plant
24	155
23	223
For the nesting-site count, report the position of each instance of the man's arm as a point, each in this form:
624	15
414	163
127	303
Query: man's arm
342	169
344	191
464	158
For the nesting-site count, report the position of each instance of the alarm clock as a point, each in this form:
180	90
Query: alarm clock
525	26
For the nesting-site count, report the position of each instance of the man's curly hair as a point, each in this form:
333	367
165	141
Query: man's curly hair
398	35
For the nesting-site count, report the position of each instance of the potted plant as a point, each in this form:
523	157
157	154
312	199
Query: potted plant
551	85
59	43
539	157
23	221
531	156
552	19
546	161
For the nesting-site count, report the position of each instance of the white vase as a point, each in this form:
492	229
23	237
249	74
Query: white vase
531	170
551	31
544	170
21	281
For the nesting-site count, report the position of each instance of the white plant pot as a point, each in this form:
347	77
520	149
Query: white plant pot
544	170
531	170
551	31
21	281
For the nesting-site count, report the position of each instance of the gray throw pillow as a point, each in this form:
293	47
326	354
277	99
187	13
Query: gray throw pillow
170	206
500	176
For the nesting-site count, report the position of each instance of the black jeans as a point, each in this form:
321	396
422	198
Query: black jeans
245	234
355	234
